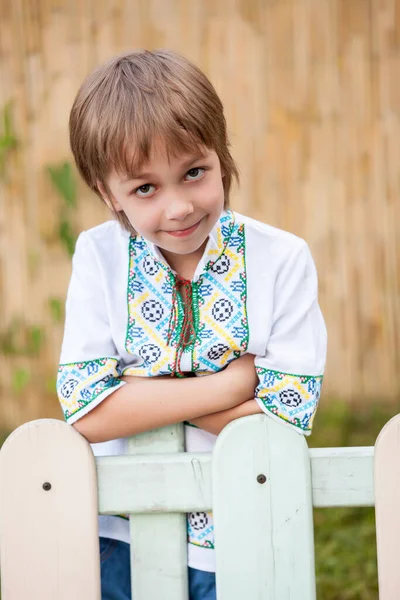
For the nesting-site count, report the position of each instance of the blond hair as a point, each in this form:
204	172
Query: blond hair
139	96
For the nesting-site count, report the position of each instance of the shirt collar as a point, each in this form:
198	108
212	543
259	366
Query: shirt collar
218	240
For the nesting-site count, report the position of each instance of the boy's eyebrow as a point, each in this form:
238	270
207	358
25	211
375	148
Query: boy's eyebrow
184	165
132	176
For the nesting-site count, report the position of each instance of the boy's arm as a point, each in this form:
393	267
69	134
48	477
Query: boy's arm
216	422
102	404
290	373
149	403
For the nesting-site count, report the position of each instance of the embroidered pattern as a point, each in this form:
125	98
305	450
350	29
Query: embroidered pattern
201	529
218	303
222	301
149	298
293	398
78	384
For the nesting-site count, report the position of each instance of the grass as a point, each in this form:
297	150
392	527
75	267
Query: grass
345	544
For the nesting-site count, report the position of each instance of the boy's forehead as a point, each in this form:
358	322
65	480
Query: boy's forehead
159	152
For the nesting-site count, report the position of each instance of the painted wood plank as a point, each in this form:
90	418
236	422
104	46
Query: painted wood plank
162	483
264	531
48	539
342	476
182	482
387	503
158	541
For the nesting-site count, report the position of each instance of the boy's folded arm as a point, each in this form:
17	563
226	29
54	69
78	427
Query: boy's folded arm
150	403
216	422
92	393
210	402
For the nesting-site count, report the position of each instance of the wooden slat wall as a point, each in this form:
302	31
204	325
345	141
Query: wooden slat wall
312	96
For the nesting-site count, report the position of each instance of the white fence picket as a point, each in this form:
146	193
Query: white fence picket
48	514
159	541
387	509
263	512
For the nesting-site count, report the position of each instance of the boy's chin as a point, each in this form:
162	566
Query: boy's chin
185	248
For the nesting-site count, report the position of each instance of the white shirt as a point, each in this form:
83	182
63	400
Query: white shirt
254	290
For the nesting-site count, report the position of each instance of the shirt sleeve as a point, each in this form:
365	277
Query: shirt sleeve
291	372
89	363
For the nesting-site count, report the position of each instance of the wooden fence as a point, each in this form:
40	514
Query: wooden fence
260	475
312	96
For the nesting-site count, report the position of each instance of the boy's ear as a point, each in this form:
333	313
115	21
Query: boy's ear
112	204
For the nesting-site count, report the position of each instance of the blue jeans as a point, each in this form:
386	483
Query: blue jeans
116	574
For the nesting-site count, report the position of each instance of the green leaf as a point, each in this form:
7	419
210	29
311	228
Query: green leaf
8	129
8	140
35	340
63	179
20	379
56	309
67	235
8	338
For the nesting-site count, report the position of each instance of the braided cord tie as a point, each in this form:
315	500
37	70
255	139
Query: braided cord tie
181	292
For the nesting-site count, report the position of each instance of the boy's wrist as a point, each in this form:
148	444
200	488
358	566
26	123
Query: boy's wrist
235	391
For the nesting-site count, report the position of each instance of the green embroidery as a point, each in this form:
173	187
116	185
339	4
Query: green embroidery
219	305
80	383
293	398
196	319
282	375
243	278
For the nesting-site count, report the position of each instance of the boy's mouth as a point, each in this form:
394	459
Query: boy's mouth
185	232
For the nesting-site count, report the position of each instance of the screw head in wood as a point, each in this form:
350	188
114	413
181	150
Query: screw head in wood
46	486
261	478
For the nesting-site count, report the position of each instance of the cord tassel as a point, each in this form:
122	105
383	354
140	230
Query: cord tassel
183	288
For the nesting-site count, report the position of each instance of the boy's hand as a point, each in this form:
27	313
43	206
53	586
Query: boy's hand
216	422
241	378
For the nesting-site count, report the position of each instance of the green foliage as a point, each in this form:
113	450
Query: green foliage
345	542
20	379
67	235
21	339
35	340
345	554
64	182
62	177
56	309
8	140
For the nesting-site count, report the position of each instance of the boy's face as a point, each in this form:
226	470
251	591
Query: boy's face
173	202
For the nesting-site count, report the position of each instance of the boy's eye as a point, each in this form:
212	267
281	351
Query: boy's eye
145	190
195	173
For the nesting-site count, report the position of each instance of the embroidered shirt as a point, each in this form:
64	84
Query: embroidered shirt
254	290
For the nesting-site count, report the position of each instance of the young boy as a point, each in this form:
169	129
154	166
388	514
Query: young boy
177	285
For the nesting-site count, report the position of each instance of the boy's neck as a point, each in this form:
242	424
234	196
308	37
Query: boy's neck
184	264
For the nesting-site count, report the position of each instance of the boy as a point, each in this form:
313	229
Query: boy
177	285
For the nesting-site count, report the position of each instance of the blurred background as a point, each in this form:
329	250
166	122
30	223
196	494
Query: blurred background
311	90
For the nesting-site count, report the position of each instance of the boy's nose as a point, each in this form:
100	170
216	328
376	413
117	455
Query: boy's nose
178	209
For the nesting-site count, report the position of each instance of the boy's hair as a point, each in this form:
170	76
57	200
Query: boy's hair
135	98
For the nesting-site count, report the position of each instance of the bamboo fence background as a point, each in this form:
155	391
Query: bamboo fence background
312	97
